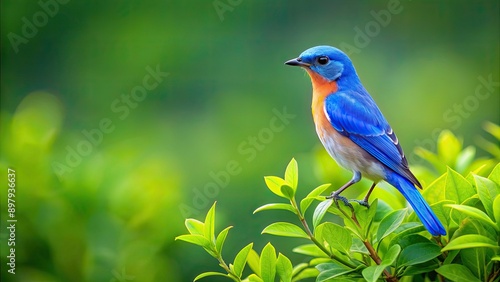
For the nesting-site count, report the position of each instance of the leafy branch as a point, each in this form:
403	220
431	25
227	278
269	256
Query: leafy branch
375	243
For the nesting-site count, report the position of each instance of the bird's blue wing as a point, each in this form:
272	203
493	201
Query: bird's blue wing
356	116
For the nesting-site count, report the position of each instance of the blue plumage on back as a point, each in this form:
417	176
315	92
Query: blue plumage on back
356	116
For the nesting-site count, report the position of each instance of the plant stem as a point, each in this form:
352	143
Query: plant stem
353	214
372	252
377	260
315	241
227	269
493	275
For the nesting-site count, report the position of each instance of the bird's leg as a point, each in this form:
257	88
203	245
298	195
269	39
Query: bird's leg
364	202
336	194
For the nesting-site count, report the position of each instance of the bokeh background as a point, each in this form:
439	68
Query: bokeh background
107	170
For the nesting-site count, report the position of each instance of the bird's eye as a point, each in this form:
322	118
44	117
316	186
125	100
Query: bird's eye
323	60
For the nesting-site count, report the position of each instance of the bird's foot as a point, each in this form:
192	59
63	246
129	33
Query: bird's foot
363	203
336	197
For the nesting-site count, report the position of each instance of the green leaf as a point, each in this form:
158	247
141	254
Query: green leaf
480	165
490	147
276	206
465	159
383	209
195	239
346	278
219	242
495	174
406	229
309	250
475	259
475	213
425	267
457	273
493	129
206	274
389	223
359	247
471	241
274	184
285	229
364	217
292	174
195	227
432	158
448	147
457	188
331	270
253	261
391	255
284	268
306	202
418	253
299	267
496	210
451	256
336	236
287	191
319	260
412	239
208	230
372	273
320	211
442	211
301	272
241	259
268	263
434	192
254	278
487	191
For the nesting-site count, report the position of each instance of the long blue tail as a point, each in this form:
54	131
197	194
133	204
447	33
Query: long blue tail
419	205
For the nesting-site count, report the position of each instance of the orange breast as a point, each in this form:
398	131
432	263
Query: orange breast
321	89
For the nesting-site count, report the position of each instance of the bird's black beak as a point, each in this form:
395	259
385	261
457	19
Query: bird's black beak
297	62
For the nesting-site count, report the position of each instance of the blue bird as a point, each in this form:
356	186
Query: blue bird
353	130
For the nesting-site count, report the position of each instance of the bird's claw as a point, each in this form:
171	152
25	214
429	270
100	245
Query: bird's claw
336	197
363	203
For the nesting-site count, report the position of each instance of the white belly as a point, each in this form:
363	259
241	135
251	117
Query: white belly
349	155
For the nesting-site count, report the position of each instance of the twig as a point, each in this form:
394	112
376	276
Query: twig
227	269
377	260
315	241
353	214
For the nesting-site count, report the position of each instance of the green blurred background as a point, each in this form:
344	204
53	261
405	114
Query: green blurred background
104	183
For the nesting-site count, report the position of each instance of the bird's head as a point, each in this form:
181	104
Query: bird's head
329	62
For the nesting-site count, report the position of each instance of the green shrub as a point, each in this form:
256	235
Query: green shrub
379	242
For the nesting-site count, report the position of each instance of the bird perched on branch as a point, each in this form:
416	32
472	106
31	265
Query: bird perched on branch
355	133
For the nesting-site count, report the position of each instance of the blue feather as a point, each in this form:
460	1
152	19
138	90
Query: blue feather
356	116
419	205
